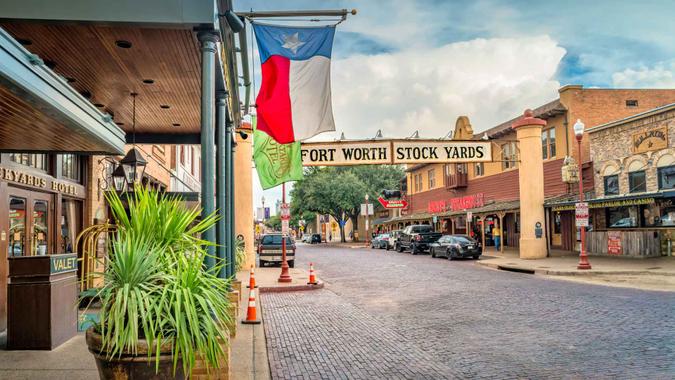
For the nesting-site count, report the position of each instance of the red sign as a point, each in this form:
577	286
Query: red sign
285	211
457	204
397	203
614	243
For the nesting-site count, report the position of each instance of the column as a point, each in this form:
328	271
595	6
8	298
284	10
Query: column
229	186
502	237
208	98
531	181
243	187
221	189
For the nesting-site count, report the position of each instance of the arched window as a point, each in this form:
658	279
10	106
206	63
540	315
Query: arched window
611	180
637	178
666	172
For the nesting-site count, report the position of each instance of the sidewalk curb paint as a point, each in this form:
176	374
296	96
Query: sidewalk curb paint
291	288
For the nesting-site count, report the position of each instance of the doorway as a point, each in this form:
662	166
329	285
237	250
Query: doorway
30	223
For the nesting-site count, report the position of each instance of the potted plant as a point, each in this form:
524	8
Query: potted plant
161	311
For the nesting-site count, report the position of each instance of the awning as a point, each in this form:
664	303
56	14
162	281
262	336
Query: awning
40	111
381	221
613	200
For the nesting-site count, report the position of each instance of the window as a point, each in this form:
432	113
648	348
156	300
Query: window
612	184
666	177
622	217
479	169
37	161
548	143
509	156
447	169
461	169
192	160
70	167
637	182
432	178
181	148
557	223
632	103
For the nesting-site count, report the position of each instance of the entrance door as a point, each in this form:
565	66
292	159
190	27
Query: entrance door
29	233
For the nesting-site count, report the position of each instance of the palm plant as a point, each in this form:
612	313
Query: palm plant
239	253
156	287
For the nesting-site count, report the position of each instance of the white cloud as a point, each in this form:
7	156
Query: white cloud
489	80
662	75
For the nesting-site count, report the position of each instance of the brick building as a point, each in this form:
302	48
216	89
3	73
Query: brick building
490	191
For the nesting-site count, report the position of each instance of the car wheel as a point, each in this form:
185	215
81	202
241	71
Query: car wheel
433	252
476	257
262	263
387	247
291	264
450	257
413	249
399	248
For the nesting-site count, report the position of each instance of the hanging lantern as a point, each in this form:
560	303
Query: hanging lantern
134	166
119	178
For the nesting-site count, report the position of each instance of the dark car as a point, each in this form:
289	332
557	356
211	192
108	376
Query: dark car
455	247
416	238
269	250
316	238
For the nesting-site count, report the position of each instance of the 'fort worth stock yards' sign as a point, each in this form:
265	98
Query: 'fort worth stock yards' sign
372	152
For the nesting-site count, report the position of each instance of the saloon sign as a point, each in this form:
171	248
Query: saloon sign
457	203
652	139
374	152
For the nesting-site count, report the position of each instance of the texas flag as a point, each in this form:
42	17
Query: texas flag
294	102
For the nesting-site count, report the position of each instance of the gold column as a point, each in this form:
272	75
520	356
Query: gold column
243	188
531	180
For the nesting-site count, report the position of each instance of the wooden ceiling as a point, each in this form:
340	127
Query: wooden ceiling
38	131
89	56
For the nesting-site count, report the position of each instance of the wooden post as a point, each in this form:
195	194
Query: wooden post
482	232
500	215
452	225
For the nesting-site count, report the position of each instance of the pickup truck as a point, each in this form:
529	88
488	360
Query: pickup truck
416	238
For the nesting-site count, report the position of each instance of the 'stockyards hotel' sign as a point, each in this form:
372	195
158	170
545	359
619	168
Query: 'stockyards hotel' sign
373	152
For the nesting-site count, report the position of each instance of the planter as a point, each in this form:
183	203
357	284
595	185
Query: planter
236	285
130	366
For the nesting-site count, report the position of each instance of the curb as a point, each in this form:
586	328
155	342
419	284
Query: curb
291	288
570	273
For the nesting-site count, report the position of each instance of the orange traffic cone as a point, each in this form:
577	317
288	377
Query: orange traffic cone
251	281
251	314
312	276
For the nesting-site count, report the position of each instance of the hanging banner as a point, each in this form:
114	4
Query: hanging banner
378	152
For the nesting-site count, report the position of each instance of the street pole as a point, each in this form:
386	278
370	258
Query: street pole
583	257
285	276
367	239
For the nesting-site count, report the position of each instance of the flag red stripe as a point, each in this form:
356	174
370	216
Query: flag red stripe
273	103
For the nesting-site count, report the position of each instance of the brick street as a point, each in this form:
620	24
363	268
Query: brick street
387	315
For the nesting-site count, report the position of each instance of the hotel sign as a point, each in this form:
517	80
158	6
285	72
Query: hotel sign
24	178
62	263
375	152
652	139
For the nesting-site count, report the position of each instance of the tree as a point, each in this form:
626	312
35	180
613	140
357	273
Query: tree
340	191
274	222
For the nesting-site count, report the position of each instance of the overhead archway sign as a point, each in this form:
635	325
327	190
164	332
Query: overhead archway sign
403	151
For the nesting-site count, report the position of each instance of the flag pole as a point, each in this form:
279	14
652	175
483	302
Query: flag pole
301	13
285	276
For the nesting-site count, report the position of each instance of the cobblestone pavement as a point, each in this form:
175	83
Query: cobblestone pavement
387	315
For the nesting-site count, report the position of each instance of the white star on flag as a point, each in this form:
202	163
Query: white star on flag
292	43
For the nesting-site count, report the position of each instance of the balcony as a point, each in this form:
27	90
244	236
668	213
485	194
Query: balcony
456	181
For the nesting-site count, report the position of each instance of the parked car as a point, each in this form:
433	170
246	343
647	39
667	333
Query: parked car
306	238
380	241
316	238
416	238
455	247
269	249
393	237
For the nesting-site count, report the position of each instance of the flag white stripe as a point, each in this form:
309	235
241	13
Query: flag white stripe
311	106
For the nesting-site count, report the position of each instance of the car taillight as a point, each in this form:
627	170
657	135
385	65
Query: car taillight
418	237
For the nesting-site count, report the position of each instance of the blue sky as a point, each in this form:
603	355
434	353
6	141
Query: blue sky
407	65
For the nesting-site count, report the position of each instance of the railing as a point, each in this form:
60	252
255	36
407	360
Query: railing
457	180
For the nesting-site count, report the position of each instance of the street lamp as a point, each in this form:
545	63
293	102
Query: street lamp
367	234
133	165
583	257
119	178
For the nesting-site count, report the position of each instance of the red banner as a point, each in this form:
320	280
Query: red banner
614	243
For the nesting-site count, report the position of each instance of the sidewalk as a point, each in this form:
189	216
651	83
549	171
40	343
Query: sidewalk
249	348
648	274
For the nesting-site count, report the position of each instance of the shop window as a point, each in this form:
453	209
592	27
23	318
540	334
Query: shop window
666	177
517	224
71	224
71	167
637	182
37	161
622	217
479	169
509	156
432	178
612	184
548	143
658	215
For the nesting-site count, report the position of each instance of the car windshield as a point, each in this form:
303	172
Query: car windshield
463	240
275	240
384	235
422	229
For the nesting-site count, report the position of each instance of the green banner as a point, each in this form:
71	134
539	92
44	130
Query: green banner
275	163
